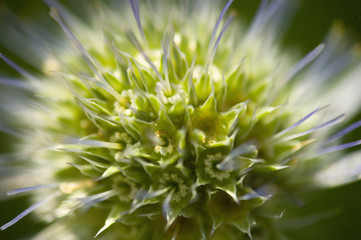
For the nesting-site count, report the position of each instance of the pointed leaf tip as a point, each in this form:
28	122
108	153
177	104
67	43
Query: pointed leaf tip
168	213
113	216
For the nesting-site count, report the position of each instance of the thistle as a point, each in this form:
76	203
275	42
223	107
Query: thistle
173	121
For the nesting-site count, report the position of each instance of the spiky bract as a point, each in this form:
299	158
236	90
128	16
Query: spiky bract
172	127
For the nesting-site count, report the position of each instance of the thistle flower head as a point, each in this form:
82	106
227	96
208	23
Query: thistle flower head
171	121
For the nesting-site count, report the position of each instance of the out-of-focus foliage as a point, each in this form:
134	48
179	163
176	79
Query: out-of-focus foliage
329	214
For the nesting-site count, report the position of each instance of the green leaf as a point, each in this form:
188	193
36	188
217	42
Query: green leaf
110	171
230	117
210	105
146	197
169	212
264	111
114	214
231	190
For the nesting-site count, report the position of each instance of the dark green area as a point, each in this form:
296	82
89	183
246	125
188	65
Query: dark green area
25	228
312	20
338	212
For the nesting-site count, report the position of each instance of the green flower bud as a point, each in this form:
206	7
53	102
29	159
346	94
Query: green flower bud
172	121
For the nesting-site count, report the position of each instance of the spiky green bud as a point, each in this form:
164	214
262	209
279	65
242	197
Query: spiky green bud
180	126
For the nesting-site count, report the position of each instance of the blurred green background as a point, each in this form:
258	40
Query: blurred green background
308	26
